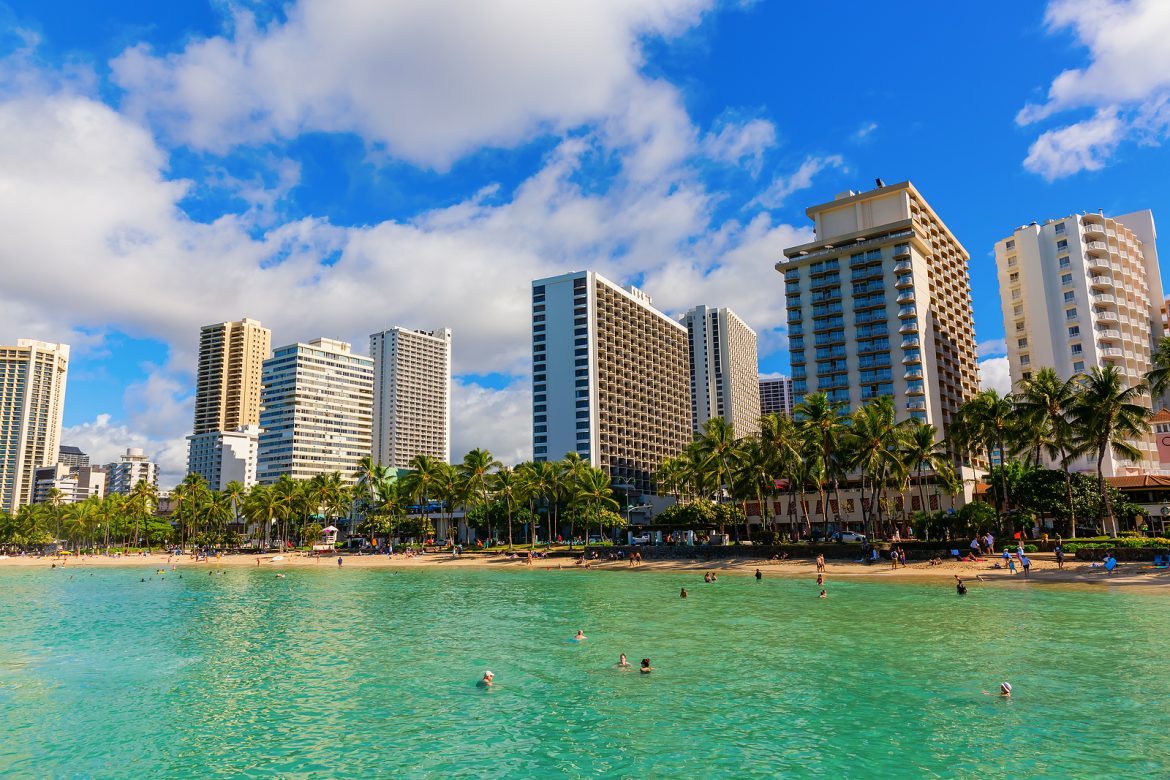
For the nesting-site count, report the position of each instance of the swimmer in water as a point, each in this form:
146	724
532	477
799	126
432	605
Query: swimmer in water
820	579
682	594
580	636
960	588
646	667
486	682
1005	691
707	577
759	574
622	662
280	576
823	594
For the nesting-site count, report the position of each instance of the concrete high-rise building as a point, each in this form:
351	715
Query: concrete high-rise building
221	457
412	395
1081	292
905	327
317	402
725	379
33	375
129	470
71	456
227	384
611	378
776	396
73	484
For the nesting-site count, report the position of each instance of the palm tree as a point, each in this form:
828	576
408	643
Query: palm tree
921	451
821	422
475	472
421	482
508	487
986	422
235	493
143	499
544	481
593	489
262	506
1106	416
716	446
1158	377
369	475
449	490
874	441
571	468
1045	402
753	477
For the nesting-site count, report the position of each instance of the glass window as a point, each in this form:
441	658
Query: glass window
1066	279
1069	296
1021	343
1010	245
1079	365
1075	330
1077	349
1070	314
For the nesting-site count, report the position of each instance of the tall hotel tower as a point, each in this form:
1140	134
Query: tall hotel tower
611	378
1082	292
725	379
776	396
412	395
32	402
880	305
227	402
317	400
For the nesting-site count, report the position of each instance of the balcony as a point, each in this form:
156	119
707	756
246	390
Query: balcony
1104	298
904	281
906	296
915	388
1099	263
910	343
916	405
907	311
826	309
1108	333
1113	352
902	266
1105	316
823	296
1094	228
911	357
909	327
1103	282
1096	247
901	250
824	281
914	372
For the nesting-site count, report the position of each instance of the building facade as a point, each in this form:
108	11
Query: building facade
776	395
222	457
725	379
131	468
1082	292
73	484
880	305
317	404
71	456
227	383
33	375
412	395
611	378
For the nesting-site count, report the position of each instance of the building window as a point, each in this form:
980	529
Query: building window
1069	296
1014	277
1012	261
1062	244
1016	294
1018	310
1079	365
1066	279
1025	360
1064	262
1059	227
1021	343
1027	375
1010	245
1077	349
1070	314
1020	325
1075	330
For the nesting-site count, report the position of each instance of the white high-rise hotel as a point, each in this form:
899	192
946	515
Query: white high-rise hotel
32	402
725	379
412	395
1081	292
610	378
316	405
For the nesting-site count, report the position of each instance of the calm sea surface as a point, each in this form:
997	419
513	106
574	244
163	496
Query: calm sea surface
358	673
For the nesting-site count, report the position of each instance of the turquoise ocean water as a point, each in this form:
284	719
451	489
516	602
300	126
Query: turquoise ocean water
360	673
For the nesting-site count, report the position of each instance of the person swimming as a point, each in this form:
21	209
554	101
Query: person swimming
824	595
759	574
646	667
486	682
1005	691
960	588
622	662
580	637
706	577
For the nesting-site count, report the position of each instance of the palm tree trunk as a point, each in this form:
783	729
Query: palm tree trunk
1105	493
1072	512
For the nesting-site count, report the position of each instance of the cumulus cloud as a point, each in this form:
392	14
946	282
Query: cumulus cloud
105	441
1127	82
741	143
994	375
429	80
992	348
500	420
782	186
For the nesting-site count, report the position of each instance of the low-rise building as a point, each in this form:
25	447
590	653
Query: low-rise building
131	468
221	457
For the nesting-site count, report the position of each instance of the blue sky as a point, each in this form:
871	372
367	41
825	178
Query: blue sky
334	168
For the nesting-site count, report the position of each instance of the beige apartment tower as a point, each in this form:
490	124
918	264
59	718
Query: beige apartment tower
611	378
317	403
725	379
32	402
227	385
412	395
1081	292
880	305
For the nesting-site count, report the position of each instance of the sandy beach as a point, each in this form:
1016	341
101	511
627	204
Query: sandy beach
1044	568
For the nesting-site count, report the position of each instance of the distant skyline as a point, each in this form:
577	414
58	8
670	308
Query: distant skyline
335	168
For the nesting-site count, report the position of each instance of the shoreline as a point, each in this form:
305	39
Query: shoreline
1044	570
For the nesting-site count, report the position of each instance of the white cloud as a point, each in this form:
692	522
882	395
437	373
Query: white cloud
994	375
105	442
862	133
802	178
1127	82
500	420
428	79
992	348
741	143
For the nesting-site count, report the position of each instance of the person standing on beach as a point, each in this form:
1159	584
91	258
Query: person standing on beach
339	561
1026	563
1059	554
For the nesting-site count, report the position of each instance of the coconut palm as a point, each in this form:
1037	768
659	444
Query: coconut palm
716	450
822	425
144	498
422	481
922	451
475	471
1106	415
508	488
594	491
1045	402
1158	377
874	441
985	422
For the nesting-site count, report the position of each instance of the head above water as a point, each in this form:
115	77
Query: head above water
1005	688
488	675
